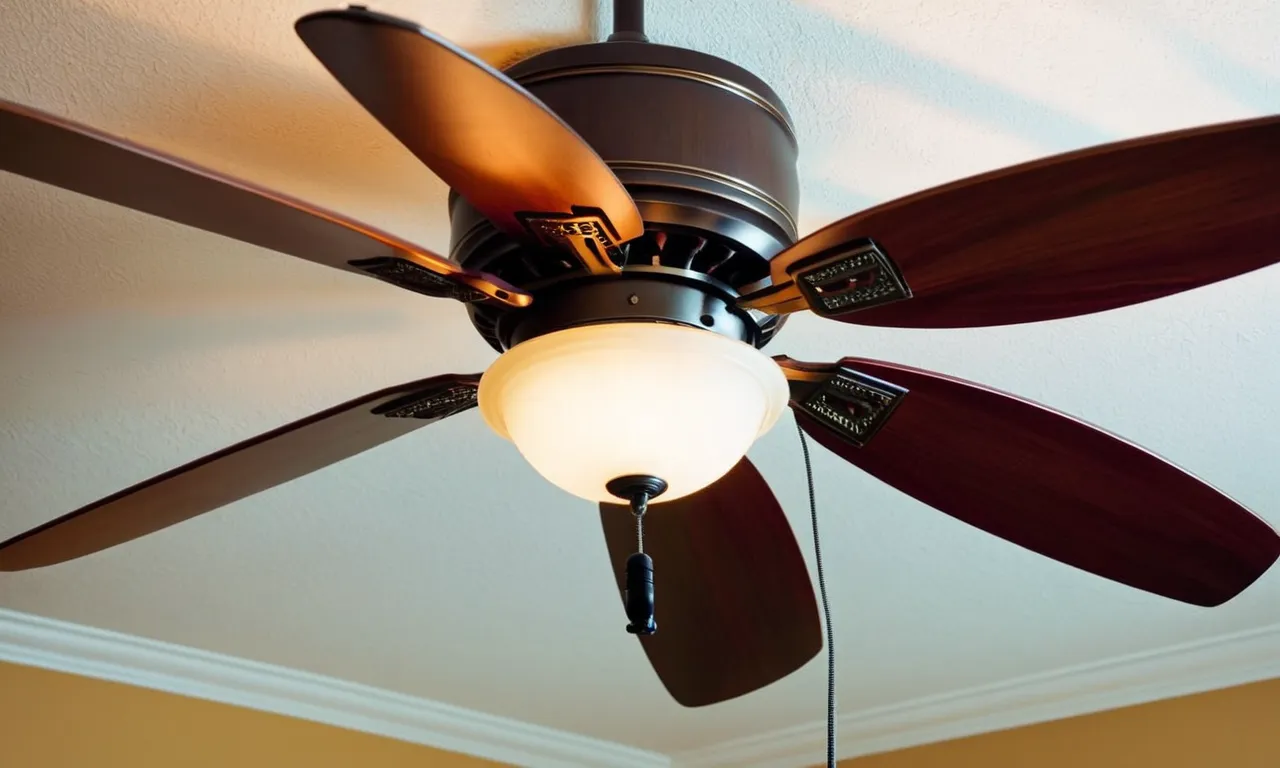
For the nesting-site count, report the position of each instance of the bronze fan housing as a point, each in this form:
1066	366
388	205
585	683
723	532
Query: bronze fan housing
707	151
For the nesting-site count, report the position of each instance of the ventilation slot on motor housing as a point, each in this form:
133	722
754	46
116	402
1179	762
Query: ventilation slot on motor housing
693	250
697	252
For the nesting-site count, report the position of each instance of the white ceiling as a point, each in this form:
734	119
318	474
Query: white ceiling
441	565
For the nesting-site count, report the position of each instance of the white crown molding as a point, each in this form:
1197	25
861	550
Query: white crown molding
66	647
1174	671
1178	670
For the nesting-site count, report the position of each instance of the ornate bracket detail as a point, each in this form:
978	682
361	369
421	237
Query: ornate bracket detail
850	280
853	405
586	233
412	277
431	404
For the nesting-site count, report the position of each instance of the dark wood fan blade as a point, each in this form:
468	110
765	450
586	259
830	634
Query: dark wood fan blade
242	470
734	605
478	130
1068	235
56	151
1041	479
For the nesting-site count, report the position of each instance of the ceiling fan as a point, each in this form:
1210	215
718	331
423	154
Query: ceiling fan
623	232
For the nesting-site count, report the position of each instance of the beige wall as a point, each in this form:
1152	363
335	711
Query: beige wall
1231	728
52	720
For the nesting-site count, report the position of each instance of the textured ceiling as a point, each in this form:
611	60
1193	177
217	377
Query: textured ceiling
441	565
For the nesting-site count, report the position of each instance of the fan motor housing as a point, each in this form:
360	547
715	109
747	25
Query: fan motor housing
706	149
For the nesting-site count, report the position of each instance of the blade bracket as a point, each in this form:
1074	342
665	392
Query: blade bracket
585	232
846	280
414	277
853	405
431	404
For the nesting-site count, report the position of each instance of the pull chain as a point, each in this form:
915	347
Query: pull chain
640	505
639	490
640	576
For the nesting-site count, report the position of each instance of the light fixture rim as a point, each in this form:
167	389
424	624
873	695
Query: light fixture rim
762	368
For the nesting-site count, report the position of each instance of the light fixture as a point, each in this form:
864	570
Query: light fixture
593	403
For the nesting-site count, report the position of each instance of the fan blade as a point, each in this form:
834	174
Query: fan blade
1068	235
56	151
1035	477
478	130
242	470
734	605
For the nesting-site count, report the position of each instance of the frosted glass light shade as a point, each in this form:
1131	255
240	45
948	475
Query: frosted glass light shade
588	404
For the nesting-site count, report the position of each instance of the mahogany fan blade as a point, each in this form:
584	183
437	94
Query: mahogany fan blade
1077	233
733	601
1058	486
242	470
478	130
63	153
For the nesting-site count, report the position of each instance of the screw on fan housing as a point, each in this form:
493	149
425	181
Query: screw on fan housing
638	490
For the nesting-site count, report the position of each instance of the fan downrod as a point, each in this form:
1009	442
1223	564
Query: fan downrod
628	22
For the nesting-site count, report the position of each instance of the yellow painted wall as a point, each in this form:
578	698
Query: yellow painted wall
54	720
1231	728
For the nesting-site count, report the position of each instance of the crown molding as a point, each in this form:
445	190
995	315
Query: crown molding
1179	670
65	647
1205	665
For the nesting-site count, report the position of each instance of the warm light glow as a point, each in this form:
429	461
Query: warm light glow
588	404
